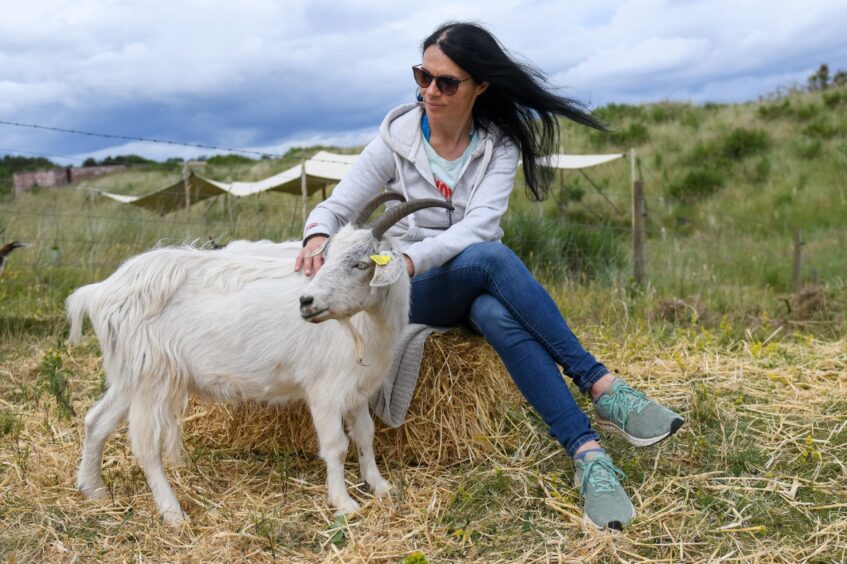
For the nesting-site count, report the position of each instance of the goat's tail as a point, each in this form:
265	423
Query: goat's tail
76	307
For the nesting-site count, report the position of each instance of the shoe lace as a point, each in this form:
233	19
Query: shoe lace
624	401
601	475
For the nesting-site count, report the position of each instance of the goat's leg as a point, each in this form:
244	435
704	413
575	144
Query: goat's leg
333	449
362	433
100	422
146	422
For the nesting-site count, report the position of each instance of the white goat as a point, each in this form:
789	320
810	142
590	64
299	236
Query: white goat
228	326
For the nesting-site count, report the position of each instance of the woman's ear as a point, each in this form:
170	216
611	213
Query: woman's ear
481	87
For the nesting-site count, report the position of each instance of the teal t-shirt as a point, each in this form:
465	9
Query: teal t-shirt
446	172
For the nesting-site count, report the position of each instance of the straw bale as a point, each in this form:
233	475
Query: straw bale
458	411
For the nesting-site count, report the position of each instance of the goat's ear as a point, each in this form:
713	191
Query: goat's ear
389	267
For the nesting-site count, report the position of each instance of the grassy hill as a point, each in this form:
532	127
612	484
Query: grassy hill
718	333
727	186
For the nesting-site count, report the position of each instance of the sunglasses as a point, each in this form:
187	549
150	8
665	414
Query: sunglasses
447	85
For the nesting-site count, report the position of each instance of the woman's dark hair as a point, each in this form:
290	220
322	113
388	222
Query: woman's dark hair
519	101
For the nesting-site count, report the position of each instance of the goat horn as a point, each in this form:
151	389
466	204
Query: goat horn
364	212
398	212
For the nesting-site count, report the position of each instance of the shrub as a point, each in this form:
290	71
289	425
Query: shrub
808	148
697	184
229	160
612	113
834	99
705	154
669	111
806	111
761	171
823	129
775	111
632	135
125	160
552	247
692	119
819	80
742	143
720	153
787	110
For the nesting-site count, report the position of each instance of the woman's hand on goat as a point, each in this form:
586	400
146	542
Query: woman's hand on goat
311	257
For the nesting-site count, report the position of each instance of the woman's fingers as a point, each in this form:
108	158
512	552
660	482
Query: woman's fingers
310	259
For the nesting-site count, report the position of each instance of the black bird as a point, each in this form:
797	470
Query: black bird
5	251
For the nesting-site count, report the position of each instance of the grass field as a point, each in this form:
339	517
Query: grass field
758	369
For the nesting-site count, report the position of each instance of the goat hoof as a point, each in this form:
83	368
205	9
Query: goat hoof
175	519
383	489
96	491
345	507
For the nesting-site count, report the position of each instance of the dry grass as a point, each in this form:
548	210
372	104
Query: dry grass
757	474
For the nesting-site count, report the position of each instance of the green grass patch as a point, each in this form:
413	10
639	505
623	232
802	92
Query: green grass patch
553	248
696	185
53	378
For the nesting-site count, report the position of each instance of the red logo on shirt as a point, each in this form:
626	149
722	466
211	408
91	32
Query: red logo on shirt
445	190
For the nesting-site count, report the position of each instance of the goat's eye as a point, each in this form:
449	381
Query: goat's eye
362	265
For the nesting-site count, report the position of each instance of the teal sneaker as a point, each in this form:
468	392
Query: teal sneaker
605	503
629	413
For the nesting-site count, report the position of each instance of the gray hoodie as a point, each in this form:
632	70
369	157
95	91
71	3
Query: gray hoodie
396	161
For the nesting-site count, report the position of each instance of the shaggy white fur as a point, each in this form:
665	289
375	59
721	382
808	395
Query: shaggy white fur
238	325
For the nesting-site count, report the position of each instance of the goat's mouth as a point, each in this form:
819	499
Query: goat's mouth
315	316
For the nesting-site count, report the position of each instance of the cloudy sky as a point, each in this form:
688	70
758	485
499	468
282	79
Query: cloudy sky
271	74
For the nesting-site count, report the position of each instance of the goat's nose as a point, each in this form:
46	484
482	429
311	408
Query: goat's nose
306	301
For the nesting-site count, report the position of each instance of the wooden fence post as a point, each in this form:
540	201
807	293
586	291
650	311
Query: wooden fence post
304	191
185	176
639	215
798	261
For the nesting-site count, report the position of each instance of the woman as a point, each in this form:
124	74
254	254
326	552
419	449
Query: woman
479	111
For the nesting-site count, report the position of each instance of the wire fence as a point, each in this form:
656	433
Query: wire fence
87	241
84	241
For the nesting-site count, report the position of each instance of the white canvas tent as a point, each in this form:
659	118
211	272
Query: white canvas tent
314	174
576	162
580	162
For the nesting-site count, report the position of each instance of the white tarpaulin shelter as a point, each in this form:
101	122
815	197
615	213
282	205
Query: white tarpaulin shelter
304	179
575	162
312	175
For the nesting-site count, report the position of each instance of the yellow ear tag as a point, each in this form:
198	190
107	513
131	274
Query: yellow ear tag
381	260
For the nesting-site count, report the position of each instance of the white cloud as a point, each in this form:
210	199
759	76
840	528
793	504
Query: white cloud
627	63
161	152
250	72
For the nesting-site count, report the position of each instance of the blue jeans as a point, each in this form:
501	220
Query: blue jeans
488	285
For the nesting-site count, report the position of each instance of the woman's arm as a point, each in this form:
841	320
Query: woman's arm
369	174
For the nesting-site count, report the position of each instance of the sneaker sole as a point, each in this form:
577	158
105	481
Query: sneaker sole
611	525
608	426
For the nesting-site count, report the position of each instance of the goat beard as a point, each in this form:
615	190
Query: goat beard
358	342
